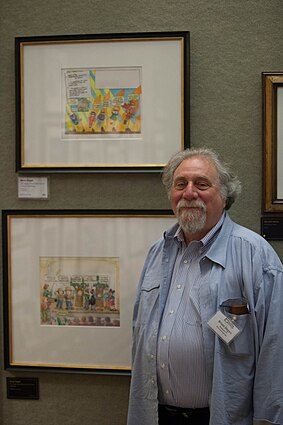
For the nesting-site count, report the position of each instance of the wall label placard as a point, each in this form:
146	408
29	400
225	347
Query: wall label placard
272	228
33	188
23	388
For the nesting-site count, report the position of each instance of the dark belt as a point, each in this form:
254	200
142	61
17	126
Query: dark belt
185	412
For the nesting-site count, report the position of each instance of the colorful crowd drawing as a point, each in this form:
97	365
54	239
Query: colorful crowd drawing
100	111
78	300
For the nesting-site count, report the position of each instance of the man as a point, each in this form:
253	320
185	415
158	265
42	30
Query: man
208	319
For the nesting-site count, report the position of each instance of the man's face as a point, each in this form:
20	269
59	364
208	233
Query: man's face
195	197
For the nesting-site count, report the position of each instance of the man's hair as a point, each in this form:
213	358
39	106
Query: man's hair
230	185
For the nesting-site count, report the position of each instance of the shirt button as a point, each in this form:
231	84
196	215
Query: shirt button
167	392
185	261
179	286
162	365
153	381
164	338
171	311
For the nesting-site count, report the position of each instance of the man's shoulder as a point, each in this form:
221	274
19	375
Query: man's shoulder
244	232
239	231
248	239
166	238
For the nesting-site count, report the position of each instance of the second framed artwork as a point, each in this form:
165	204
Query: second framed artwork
108	102
70	280
272	83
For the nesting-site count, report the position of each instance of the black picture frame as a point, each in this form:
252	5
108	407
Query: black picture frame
55	97
71	249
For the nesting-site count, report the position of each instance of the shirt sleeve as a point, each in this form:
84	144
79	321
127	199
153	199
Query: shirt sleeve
268	384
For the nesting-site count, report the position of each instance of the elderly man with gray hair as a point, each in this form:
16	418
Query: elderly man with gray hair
208	317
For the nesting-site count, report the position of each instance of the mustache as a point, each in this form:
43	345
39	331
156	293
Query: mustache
190	204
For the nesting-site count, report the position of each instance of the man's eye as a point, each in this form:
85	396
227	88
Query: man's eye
202	185
180	185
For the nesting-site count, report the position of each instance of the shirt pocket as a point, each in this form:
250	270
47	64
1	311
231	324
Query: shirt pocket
149	297
242	344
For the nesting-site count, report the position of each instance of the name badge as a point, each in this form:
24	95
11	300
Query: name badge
224	327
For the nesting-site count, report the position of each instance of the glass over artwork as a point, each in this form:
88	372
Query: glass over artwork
79	291
102	101
69	288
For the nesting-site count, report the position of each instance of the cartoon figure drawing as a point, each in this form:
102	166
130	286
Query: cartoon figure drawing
109	299
91	120
130	111
74	118
45	311
92	300
45	303
60	298
79	300
76	122
86	299
68	298
46	291
101	119
114	117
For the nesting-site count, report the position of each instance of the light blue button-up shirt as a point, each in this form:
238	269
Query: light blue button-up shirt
245	378
180	354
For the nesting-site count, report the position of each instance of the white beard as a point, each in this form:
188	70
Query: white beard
191	220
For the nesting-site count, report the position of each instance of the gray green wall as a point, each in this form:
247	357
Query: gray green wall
232	42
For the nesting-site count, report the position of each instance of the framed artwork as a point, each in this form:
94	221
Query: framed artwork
273	141
70	279
108	102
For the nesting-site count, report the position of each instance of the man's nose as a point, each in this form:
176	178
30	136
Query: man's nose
190	192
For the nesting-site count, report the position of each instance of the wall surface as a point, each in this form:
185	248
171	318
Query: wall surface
232	43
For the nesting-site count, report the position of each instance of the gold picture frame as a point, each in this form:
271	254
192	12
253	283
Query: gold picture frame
272	84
